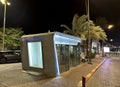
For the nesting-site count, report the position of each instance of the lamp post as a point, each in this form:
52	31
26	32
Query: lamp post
88	15
5	2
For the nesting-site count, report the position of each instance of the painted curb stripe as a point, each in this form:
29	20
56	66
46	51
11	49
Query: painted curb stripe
93	71
90	74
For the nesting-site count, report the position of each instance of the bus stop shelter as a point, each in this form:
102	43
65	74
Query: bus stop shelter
51	53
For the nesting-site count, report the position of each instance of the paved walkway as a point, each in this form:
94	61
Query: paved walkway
71	78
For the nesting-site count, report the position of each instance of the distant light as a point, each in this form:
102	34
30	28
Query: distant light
111	39
106	49
110	26
8	3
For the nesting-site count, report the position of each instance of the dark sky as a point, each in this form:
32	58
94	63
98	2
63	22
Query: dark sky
36	16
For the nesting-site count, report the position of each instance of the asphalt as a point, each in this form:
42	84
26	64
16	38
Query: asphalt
107	75
71	78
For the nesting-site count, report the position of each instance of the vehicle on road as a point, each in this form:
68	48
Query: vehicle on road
10	55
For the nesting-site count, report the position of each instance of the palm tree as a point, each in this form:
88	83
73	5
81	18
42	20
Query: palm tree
78	26
97	33
100	33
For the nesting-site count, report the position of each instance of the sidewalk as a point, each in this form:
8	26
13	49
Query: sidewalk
71	78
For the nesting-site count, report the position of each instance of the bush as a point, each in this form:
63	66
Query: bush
90	55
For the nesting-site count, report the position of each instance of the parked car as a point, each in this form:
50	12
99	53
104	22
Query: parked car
10	55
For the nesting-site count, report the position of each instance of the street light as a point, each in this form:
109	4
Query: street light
5	2
88	14
110	26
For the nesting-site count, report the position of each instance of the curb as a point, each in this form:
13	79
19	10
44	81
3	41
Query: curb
93	71
87	77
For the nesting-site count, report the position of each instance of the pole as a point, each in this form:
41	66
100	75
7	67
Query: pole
88	14
4	22
83	81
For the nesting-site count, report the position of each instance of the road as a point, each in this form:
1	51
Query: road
108	74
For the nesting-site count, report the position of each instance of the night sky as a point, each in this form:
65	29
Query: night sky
35	16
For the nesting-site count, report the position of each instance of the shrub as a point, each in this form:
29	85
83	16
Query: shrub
90	55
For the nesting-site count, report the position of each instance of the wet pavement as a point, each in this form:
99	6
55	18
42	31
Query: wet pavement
108	75
72	78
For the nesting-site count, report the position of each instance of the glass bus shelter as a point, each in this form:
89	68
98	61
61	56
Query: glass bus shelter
50	53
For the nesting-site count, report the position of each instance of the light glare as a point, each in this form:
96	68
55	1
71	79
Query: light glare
110	26
3	1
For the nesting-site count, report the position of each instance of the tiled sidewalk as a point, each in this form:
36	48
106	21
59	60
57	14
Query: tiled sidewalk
71	78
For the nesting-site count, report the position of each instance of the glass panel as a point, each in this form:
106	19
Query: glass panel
78	55
35	54
71	56
68	56
74	55
63	57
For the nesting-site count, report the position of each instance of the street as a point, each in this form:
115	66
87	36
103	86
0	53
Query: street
107	75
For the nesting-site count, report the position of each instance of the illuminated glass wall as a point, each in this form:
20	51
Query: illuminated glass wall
68	56
35	54
74	55
63	57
